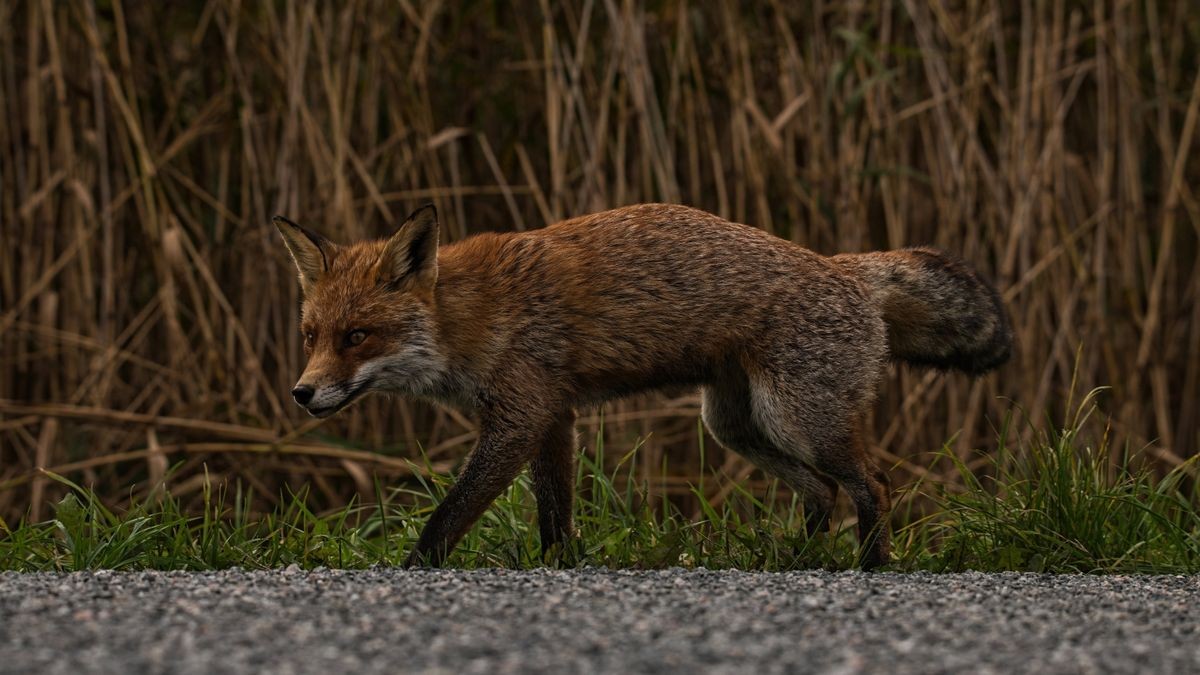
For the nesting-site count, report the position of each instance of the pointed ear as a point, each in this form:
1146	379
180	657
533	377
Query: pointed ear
410	256
309	250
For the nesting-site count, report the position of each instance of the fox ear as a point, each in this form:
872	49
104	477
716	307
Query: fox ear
309	250
410	256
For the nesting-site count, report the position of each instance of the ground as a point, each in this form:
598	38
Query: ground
389	620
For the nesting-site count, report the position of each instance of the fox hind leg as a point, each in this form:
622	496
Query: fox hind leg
869	488
816	416
729	418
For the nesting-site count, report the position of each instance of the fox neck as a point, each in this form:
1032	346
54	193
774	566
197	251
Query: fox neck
463	335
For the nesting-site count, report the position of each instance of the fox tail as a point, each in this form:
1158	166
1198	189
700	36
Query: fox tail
939	311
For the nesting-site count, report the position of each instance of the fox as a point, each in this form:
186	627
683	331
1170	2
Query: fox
522	329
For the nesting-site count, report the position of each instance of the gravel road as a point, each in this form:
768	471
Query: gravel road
388	620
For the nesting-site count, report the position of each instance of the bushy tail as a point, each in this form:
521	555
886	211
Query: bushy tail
938	310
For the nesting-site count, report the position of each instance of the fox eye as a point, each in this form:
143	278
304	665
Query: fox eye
355	338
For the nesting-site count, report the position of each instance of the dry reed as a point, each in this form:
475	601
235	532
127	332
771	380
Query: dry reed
148	314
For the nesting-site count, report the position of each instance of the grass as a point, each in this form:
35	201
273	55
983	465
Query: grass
1061	505
1066	506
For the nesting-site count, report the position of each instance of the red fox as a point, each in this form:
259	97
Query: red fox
521	329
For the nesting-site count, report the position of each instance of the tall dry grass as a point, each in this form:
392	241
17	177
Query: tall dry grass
148	313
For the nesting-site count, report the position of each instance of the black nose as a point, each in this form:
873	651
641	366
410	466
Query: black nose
303	394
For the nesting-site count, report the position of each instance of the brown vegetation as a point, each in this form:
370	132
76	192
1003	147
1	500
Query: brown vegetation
148	315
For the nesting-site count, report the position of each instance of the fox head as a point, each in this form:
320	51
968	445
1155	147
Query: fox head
367	317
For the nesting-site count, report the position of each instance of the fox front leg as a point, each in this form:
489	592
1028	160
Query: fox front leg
553	472
506	443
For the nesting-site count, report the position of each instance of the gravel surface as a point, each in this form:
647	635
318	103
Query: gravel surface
389	620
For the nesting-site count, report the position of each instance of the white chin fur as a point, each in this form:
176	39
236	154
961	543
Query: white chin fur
416	371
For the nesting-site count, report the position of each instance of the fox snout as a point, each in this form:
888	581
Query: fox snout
323	400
